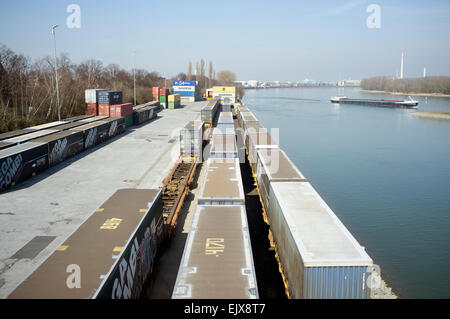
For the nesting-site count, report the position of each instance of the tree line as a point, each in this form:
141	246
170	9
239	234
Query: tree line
429	84
28	94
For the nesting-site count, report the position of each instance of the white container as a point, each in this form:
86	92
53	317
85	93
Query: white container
90	95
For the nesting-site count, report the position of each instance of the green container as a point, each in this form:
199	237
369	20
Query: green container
128	120
173	105
163	98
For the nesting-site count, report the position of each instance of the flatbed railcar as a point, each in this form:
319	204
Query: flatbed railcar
114	251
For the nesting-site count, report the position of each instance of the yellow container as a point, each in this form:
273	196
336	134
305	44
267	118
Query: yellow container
174	97
224	89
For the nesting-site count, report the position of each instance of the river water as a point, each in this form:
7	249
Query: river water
384	173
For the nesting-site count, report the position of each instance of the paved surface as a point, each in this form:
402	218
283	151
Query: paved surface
56	202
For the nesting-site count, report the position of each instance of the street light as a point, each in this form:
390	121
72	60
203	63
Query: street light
56	74
134	76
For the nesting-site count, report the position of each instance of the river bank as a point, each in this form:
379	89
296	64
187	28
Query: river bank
402	93
432	115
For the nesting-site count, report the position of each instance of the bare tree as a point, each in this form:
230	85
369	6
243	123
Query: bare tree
210	74
226	77
189	74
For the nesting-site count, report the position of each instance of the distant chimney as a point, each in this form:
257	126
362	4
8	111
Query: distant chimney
401	68
424	72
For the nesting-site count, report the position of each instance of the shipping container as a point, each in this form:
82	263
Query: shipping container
274	166
222	184
227	94
224	129
115	248
248	118
154	104
62	145
174	98
209	111
104	110
91	95
319	256
184	83
217	260
109	97
11	134
119	110
223	146
128	120
20	162
30	136
258	139
184	88
93	133
191	139
225	118
92	109
155	93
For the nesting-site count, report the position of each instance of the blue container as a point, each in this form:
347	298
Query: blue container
184	83
110	97
185	93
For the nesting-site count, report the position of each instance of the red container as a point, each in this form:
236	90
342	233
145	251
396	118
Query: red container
103	109
120	110
163	91
155	93
91	109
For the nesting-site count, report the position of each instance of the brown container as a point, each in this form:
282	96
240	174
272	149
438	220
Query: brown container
103	110
91	109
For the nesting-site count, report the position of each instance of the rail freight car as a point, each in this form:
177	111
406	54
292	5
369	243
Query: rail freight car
93	133
12	134
62	146
217	259
258	139
116	125
223	146
30	136
222	184
113	252
20	162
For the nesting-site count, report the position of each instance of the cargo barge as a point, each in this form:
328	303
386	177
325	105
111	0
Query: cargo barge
404	104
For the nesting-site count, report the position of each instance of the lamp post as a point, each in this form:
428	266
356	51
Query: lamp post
56	74
134	75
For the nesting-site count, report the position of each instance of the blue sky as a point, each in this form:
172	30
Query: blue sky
263	40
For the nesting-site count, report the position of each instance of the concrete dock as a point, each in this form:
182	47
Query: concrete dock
37	215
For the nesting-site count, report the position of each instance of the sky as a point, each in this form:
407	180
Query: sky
258	40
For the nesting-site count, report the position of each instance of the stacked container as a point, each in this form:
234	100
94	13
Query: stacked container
106	99
174	101
122	110
191	139
155	93
91	99
226	94
188	90
163	97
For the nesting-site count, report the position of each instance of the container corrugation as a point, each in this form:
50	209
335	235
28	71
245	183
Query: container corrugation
299	219
109	97
114	248
104	110
185	93
21	162
91	109
91	95
336	283
119	110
